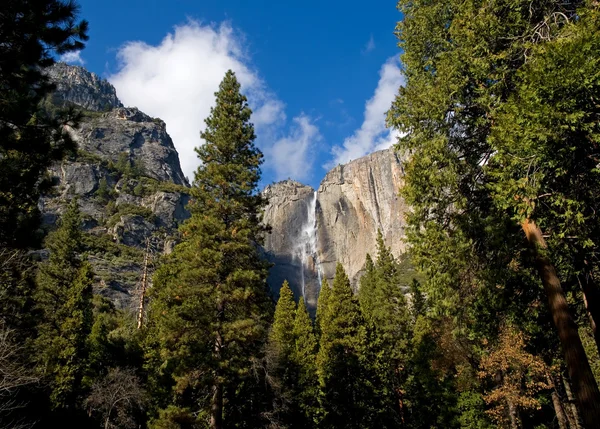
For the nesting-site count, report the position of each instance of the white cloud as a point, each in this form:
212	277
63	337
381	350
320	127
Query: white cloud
73	57
291	154
369	46
176	81
373	134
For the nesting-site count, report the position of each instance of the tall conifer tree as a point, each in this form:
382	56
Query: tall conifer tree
386	315
304	357
281	362
211	305
281	336
32	34
345	382
64	299
322	304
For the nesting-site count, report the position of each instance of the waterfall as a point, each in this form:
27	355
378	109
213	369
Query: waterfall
306	249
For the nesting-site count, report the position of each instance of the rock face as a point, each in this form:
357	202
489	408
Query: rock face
130	133
291	245
353	201
78	86
127	179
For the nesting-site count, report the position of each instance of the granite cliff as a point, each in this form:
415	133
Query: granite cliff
313	230
126	177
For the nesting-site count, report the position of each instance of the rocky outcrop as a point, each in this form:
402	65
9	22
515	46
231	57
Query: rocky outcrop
127	133
76	85
290	245
127	179
353	202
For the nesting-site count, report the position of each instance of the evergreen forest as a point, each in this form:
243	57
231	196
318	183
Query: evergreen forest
499	123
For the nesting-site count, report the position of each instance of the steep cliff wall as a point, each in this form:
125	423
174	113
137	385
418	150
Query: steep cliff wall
353	201
291	244
126	177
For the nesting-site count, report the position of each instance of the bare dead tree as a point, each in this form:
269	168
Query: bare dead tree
118	399
143	286
14	374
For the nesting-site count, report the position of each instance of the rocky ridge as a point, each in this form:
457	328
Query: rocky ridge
76	85
127	179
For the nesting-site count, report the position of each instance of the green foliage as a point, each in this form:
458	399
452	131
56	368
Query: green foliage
418	301
291	357
138	191
104	245
150	186
549	122
304	358
130	210
210	307
30	139
64	301
347	394
322	304
431	395
87	157
103	192
174	417
384	308
472	411
497	118
17	285
281	336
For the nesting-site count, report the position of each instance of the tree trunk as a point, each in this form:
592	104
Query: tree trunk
591	298
584	384
561	417
140	318
216	411
399	395
515	421
575	419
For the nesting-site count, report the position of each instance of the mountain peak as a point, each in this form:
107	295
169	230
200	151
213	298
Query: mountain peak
76	85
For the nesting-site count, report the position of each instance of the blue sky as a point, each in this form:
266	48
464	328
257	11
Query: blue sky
319	74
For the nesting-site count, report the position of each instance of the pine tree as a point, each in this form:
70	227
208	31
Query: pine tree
281	337
304	358
345	381
64	300
385	311
281	357
210	304
368	283
322	304
33	33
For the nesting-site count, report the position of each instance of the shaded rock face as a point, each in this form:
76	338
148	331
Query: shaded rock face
290	245
78	86
353	201
127	178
